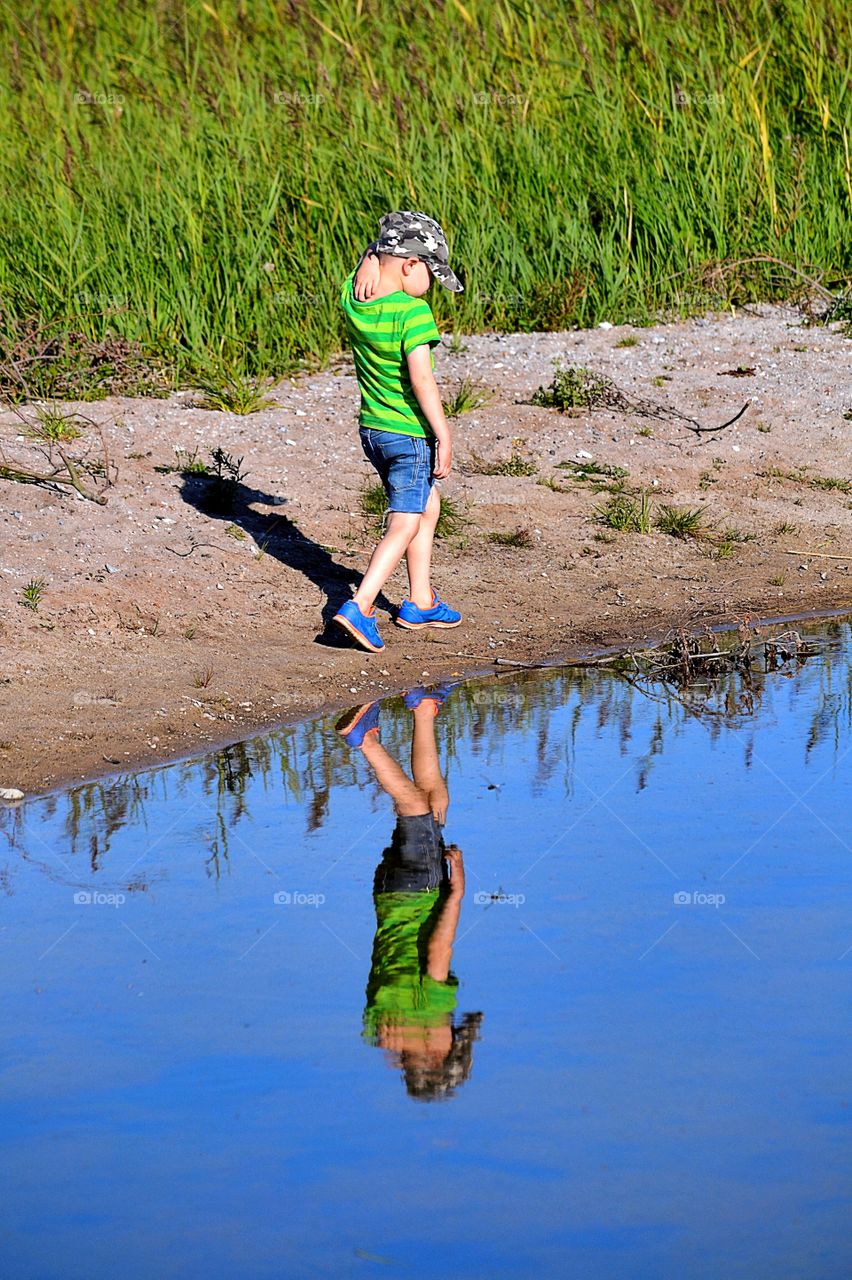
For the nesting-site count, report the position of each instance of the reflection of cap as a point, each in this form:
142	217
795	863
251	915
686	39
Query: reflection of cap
405	234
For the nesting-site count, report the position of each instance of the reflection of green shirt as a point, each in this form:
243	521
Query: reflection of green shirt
399	990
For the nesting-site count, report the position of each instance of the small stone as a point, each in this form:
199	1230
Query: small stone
11	793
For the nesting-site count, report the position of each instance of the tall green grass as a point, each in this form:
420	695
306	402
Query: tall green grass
199	177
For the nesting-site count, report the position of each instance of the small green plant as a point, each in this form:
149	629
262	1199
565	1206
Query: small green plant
469	395
764	427
601	477
777	580
234	531
456	346
185	463
626	514
629	341
660	380
572	388
705	480
681	522
53	426
723	549
785	527
189	633
515	465
225	477
644	431
737	535
31	594
839	483
232	393
550	482
517	538
202	679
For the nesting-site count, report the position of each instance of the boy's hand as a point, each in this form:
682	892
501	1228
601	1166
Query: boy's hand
366	278
453	855
443	458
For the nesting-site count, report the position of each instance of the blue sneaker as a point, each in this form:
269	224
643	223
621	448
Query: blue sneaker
357	723
438	695
440	615
360	626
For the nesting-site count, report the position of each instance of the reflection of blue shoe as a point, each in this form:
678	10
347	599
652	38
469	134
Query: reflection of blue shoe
440	615
438	695
361	626
357	723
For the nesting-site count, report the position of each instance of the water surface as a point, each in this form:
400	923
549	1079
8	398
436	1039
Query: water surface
637	1067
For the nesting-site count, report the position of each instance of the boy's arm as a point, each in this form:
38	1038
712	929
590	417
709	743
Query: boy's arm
440	949
367	274
429	398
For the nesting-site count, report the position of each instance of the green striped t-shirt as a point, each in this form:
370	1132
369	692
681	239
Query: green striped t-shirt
382	333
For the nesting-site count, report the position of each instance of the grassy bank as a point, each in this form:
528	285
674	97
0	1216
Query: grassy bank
198	177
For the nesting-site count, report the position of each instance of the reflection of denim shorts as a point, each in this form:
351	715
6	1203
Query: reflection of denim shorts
414	860
405	465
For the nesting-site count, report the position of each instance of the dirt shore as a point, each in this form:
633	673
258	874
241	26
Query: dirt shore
162	628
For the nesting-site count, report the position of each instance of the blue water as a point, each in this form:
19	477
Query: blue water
655	1088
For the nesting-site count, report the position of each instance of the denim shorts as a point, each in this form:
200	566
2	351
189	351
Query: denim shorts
405	465
414	861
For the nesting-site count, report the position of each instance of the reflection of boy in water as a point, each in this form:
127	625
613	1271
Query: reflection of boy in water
417	891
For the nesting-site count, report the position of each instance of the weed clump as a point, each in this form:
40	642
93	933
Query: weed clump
573	388
468	396
515	538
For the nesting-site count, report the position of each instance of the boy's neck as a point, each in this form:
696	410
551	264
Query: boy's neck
390	278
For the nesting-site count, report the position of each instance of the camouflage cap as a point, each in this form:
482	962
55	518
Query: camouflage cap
405	234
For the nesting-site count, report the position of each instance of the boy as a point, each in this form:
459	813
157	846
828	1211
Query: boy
418	889
404	432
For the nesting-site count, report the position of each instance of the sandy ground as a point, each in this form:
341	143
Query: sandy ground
140	652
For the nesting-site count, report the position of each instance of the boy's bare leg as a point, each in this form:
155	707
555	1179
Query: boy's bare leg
425	766
419	554
401	530
408	799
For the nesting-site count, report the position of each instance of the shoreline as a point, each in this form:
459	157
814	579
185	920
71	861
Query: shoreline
163	628
211	743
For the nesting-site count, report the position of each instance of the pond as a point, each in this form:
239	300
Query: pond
549	975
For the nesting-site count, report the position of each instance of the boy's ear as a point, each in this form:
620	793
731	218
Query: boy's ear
408	265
